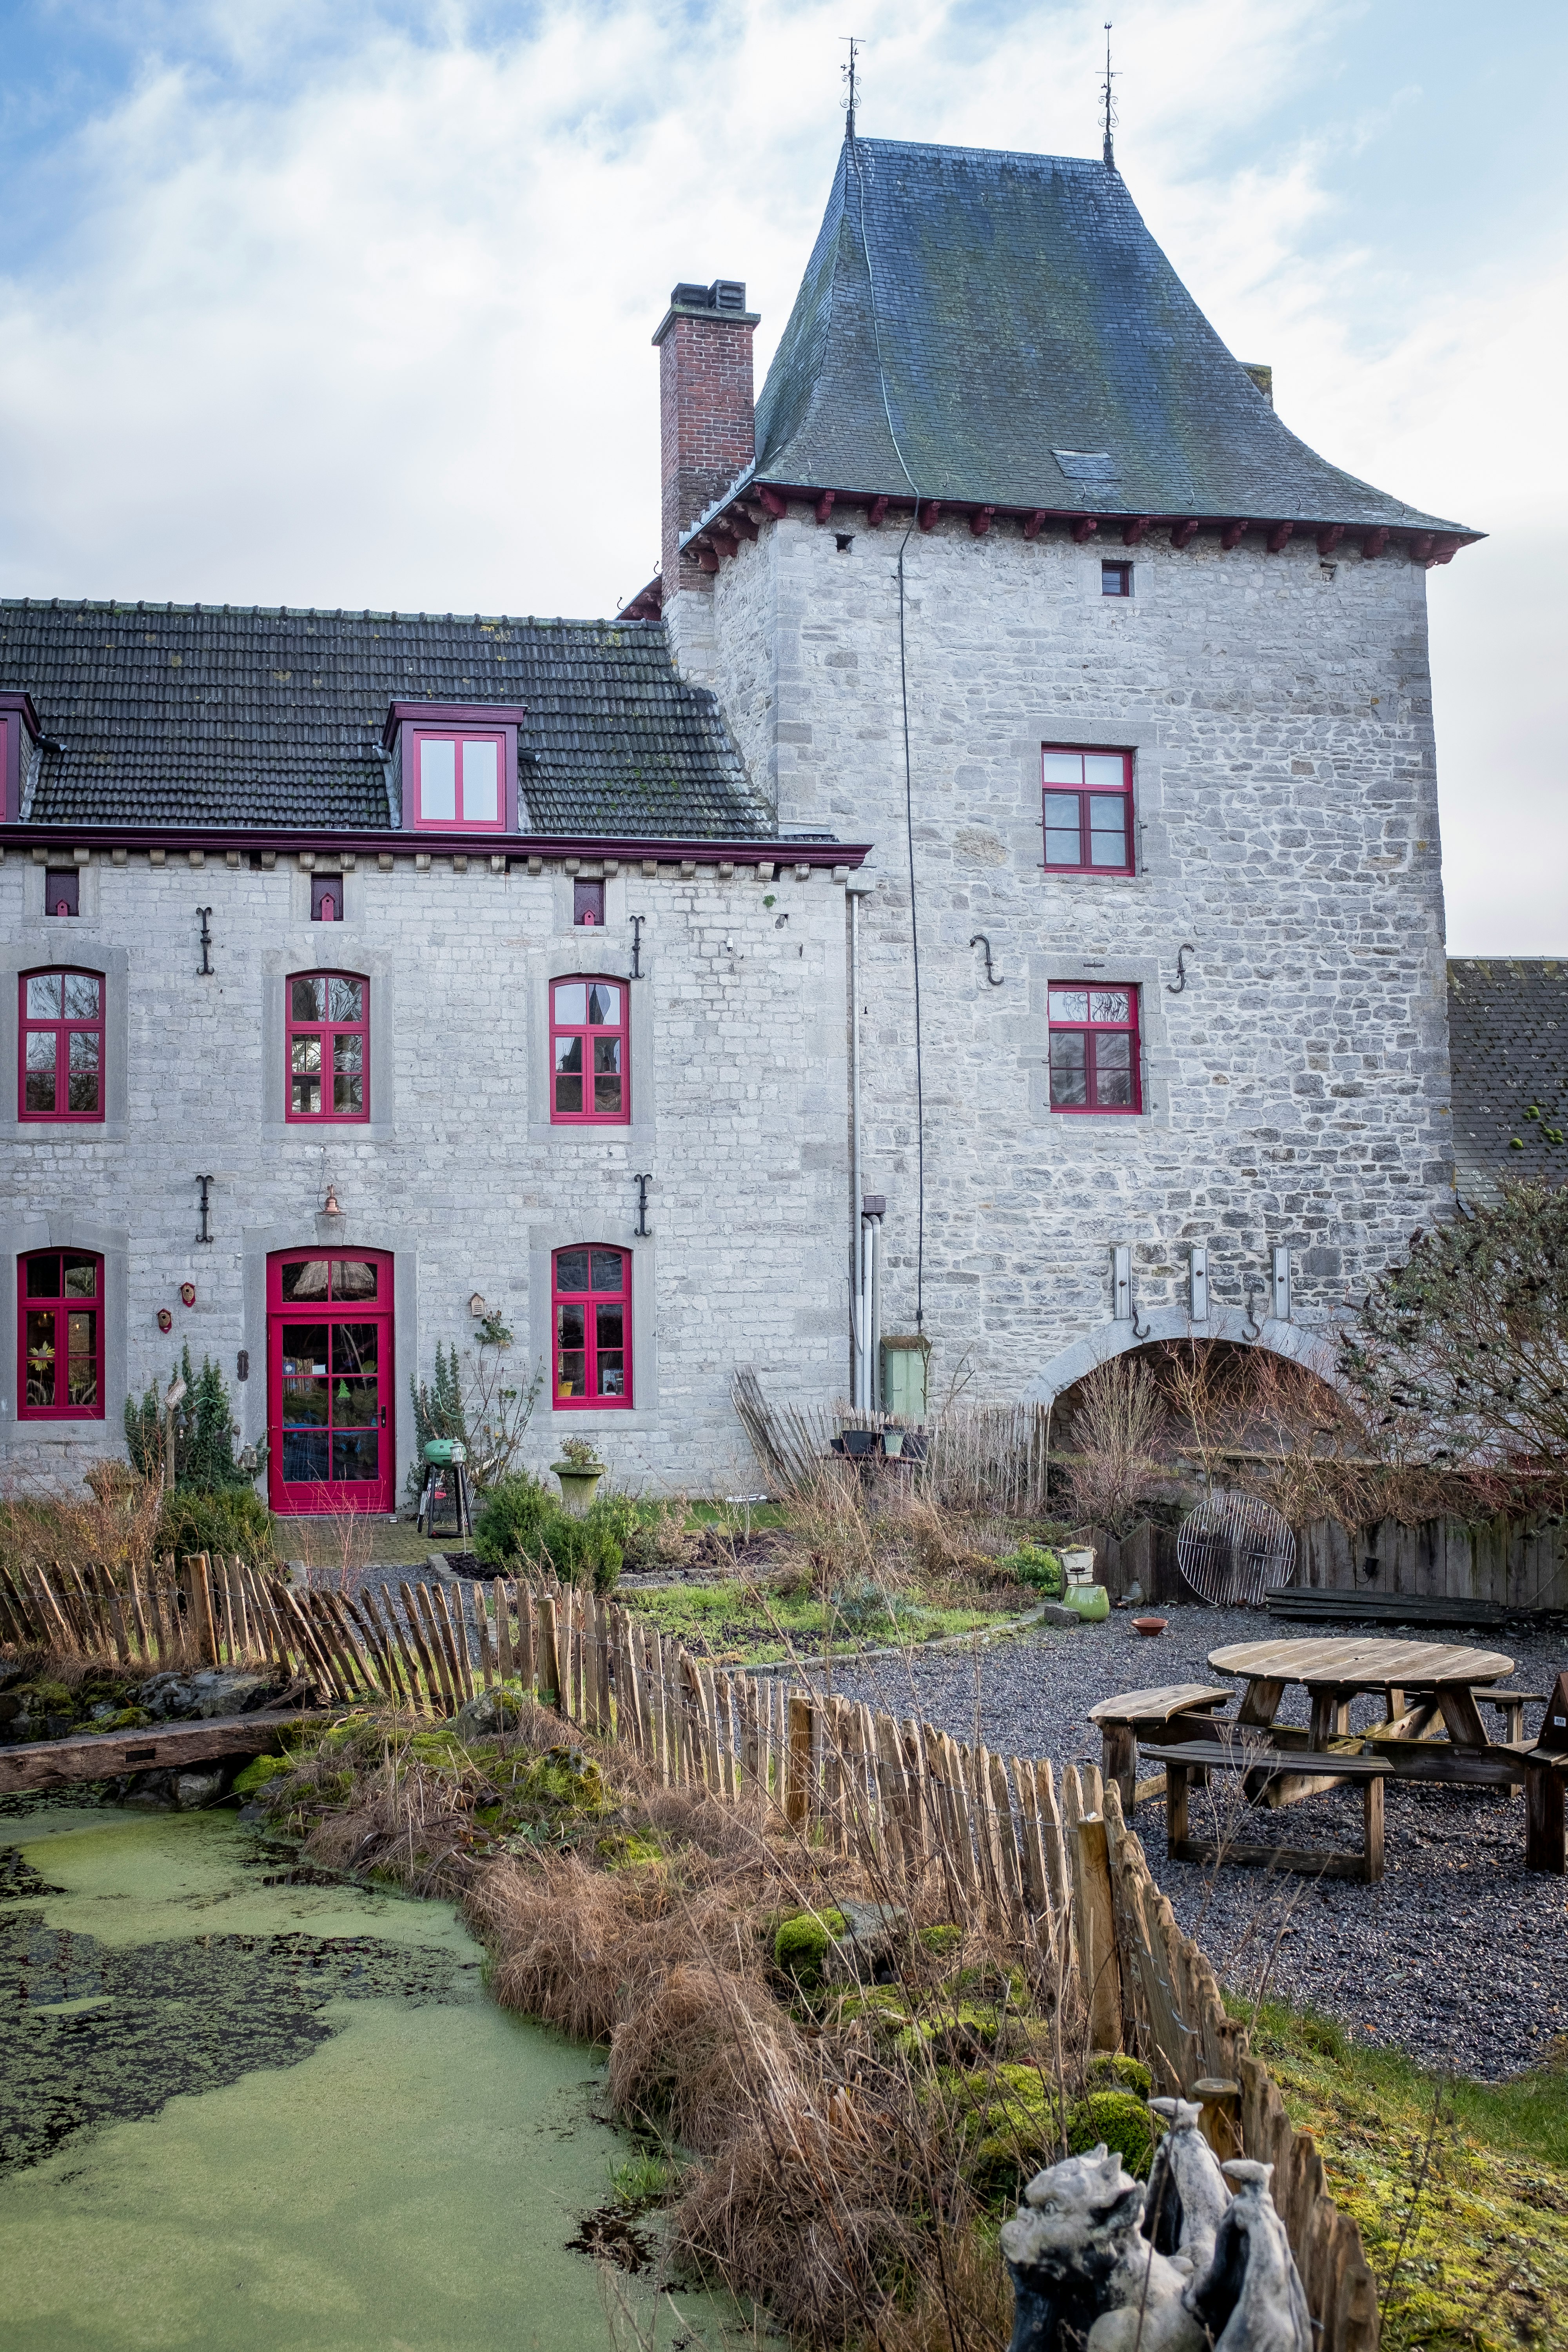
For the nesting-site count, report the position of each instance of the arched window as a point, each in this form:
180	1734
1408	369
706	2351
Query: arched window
592	1294
59	1327
328	1045
62	1027
590	1081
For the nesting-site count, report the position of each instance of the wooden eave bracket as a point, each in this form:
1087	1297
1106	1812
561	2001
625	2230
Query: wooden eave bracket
1428	548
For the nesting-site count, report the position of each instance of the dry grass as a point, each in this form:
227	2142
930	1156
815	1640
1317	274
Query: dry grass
822	2153
112	1524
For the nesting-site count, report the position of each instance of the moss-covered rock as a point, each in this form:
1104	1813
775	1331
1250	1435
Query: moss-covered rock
801	1942
941	1939
1118	2070
253	1779
1121	2120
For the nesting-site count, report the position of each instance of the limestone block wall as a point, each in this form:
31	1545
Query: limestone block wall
738	1115
1296	1087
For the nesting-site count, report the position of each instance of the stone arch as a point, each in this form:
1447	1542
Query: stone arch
1313	1350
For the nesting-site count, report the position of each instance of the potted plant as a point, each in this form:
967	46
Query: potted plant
579	1471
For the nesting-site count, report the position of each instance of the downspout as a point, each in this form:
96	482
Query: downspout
860	1356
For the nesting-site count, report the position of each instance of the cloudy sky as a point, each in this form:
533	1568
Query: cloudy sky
349	304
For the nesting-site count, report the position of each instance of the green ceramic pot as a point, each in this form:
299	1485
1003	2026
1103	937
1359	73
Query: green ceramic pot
1089	1602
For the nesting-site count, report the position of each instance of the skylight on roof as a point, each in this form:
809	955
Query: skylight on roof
1087	465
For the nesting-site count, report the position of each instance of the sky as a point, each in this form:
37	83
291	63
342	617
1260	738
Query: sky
350	305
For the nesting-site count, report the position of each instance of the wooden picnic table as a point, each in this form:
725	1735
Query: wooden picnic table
1334	1671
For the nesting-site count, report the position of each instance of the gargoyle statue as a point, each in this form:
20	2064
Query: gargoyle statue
1216	2270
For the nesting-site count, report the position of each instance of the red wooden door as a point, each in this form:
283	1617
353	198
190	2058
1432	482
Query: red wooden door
331	1422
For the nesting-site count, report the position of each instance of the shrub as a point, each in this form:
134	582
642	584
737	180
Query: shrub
233	1520
1038	1569
512	1519
205	1432
521	1524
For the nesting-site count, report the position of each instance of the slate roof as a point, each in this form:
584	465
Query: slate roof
194	715
1507	1047
1022	309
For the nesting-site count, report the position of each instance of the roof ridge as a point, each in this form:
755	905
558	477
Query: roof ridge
306	612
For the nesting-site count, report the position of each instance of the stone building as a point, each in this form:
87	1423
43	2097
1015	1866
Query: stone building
985	890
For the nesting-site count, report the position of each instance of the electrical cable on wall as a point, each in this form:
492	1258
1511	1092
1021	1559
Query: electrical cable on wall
854	158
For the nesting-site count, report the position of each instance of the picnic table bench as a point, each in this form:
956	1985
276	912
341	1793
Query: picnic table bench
1253	1758
1184	1710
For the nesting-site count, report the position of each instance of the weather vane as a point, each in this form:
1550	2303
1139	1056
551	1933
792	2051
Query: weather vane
854	44
1108	95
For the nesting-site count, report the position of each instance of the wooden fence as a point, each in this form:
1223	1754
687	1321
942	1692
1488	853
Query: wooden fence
1050	1867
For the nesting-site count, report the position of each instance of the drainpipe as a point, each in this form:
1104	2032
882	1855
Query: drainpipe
861	1359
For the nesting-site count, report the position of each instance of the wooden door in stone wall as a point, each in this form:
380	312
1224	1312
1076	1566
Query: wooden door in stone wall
330	1406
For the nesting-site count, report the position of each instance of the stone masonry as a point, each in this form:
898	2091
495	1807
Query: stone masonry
738	1093
1296	1087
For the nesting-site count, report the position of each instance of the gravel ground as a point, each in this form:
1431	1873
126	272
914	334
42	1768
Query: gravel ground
1459	1956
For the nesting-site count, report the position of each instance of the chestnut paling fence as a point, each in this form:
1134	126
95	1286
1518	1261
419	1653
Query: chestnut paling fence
1049	1865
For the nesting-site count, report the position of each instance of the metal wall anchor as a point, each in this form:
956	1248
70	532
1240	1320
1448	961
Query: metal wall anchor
1175	987
980	941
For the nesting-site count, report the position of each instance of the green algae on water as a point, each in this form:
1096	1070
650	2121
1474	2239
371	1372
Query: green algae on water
240	2112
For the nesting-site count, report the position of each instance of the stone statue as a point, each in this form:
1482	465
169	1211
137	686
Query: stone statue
1215	2271
1187	2195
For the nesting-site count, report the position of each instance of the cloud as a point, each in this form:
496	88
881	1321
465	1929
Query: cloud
354	307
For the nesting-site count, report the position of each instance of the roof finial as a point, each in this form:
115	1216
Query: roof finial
854	44
1109	103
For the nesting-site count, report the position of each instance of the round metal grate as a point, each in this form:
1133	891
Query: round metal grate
1231	1547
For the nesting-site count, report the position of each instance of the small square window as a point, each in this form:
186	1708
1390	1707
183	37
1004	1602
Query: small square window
588	902
1116	580
326	898
62	890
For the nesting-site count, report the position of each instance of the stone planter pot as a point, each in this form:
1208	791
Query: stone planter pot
859	1442
578	1482
893	1444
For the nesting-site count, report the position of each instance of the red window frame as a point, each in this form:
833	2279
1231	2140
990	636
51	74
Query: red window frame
1093	787
586	1313
1104	1073
55	1320
63	1027
298	1028
461	738
596	1042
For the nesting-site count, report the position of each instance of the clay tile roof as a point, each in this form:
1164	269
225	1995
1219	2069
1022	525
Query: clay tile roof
203	715
1508	1044
1038	351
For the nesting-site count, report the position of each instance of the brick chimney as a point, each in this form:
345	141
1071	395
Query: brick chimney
707	438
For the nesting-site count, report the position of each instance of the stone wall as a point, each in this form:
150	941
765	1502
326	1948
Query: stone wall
738	1103
1296	1089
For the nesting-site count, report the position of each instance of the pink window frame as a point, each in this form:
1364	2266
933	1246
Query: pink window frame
588	1031
462	737
27	1026
1091	1030
327	1031
60	1306
590	1401
1085	792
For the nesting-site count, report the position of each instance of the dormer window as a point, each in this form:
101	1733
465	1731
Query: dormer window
458	780
457	765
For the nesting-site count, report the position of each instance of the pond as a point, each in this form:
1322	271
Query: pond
238	2110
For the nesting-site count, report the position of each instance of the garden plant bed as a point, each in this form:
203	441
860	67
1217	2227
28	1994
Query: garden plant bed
1456	1957
738	1623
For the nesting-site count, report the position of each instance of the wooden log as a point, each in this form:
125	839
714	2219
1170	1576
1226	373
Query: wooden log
108	1755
